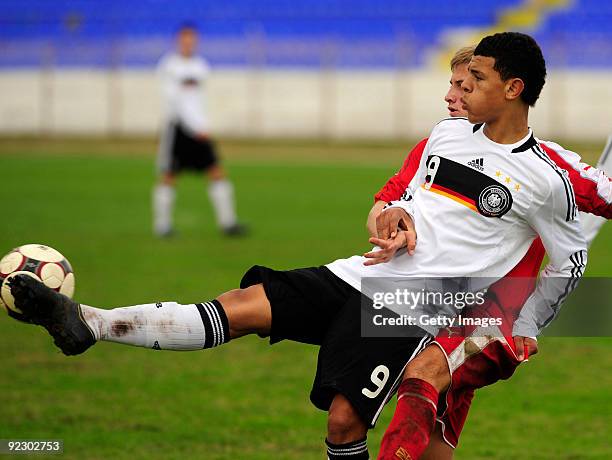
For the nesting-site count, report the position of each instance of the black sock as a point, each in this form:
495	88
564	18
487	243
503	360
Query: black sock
215	321
354	450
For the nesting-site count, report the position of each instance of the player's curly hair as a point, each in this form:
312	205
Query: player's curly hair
516	55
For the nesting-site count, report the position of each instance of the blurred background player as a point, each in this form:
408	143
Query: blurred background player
184	142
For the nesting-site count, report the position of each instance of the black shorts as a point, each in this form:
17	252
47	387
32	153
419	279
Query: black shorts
179	150
312	305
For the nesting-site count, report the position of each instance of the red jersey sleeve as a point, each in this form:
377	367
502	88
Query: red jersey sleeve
592	187
396	185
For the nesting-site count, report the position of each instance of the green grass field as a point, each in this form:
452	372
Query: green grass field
306	203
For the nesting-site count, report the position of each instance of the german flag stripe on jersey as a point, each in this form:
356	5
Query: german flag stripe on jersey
448	193
467	186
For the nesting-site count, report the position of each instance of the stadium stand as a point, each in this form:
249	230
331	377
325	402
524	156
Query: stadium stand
347	33
578	36
363	33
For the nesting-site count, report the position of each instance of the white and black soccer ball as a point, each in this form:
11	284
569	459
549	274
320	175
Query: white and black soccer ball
40	262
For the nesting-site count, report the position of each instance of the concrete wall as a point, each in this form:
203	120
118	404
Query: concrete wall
254	103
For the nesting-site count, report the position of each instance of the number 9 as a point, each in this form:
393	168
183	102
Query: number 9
378	380
432	169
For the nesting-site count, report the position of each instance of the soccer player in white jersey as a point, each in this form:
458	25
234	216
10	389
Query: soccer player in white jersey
491	67
185	143
322	305
495	357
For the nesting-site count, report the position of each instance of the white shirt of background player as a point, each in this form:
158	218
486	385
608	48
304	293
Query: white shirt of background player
183	80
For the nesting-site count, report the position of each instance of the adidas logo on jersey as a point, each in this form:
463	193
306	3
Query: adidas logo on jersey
478	163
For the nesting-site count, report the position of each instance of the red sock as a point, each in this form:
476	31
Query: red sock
414	419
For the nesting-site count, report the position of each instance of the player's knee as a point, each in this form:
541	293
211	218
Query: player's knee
343	423
215	172
248	311
430	365
168	179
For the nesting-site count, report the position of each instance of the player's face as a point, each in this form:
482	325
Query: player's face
453	97
483	91
187	41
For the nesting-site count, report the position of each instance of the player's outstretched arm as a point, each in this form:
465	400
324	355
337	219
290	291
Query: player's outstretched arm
592	190
555	219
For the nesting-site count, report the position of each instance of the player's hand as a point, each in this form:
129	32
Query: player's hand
373	215
525	347
388	248
391	220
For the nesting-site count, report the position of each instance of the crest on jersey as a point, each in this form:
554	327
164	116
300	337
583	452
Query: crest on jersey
468	186
494	201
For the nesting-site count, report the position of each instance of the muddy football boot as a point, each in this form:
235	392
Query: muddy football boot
58	314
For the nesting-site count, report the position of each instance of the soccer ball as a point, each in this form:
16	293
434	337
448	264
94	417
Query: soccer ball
41	263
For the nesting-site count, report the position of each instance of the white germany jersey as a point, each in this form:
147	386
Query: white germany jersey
183	82
477	206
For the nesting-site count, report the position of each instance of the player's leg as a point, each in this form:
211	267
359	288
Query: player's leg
248	311
489	359
221	192
346	431
415	414
356	376
360	376
221	195
164	192
303	302
437	449
163	205
216	173
162	325
172	326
